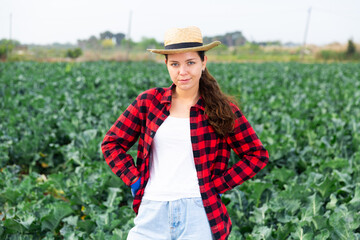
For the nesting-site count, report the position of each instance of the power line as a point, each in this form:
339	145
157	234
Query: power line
336	13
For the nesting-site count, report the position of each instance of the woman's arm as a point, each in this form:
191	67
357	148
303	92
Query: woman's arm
253	156
119	139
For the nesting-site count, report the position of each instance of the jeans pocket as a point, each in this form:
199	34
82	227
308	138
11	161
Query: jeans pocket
198	202
145	202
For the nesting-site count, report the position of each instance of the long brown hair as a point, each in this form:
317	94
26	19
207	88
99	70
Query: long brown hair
217	104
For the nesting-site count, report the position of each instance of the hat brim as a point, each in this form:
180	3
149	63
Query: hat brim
191	49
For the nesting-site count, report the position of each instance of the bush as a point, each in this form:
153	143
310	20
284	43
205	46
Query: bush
74	53
351	49
146	43
107	43
349	55
6	46
331	55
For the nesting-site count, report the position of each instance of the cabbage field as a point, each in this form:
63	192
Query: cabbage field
55	184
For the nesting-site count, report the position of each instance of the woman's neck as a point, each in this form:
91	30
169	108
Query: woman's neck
189	96
181	103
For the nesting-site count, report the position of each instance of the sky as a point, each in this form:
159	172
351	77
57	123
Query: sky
66	21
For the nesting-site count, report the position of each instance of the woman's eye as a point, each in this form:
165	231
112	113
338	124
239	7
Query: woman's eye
191	63
174	64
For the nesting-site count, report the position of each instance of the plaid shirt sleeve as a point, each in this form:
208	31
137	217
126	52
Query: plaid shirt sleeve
253	156
119	139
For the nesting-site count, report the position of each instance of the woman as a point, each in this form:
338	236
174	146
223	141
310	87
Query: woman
185	136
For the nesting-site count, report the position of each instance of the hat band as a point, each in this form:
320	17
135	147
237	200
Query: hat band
183	45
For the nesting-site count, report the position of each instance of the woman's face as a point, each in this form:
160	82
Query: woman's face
185	70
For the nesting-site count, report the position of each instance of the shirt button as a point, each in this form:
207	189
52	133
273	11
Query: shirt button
163	116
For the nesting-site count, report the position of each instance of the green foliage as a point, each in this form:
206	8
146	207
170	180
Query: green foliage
54	183
74	53
332	55
128	42
351	49
6	46
80	204
146	43
349	54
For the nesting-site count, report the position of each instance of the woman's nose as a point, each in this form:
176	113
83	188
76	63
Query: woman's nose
183	70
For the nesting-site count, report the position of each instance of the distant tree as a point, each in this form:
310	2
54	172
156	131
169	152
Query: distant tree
268	43
235	39
106	35
128	43
92	43
148	43
229	39
351	49
118	38
74	53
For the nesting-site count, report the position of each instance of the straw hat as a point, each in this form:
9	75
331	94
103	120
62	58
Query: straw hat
178	40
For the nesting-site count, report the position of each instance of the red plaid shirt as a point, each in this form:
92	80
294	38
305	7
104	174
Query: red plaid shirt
211	152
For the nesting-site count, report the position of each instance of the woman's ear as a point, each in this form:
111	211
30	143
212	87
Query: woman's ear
204	62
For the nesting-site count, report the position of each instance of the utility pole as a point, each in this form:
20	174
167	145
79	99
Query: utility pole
305	34
128	37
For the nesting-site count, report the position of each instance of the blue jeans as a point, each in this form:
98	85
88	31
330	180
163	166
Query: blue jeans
171	220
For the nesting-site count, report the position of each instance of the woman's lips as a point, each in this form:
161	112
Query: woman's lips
184	80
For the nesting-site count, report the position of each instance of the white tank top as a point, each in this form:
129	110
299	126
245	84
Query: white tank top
172	168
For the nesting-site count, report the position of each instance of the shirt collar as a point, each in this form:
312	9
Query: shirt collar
166	98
